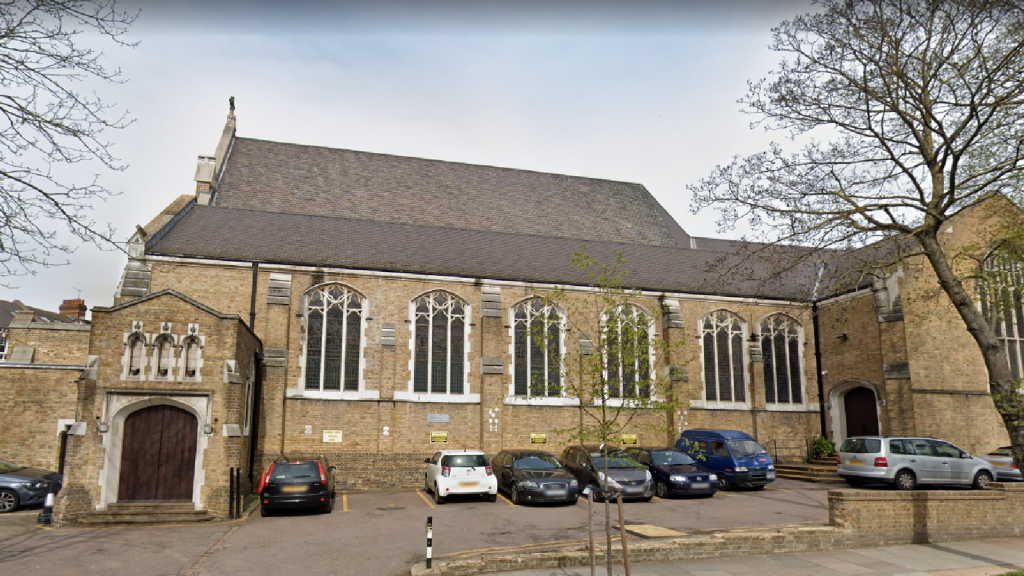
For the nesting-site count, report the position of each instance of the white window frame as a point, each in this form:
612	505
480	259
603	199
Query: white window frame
703	402
562	399
410	395
1010	281
621	400
800	339
361	393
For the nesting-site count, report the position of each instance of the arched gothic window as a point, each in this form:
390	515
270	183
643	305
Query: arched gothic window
190	356
627	352
780	351
722	338
537	331
1001	293
164	356
136	352
439	345
333	338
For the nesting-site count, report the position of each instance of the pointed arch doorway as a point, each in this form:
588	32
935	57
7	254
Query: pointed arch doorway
861	410
158	455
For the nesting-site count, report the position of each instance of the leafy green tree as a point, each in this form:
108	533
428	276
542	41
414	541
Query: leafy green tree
901	115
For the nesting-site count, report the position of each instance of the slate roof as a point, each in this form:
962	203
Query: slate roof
237	234
312	180
7	310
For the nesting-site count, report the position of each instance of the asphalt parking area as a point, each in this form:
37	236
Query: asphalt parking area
382	533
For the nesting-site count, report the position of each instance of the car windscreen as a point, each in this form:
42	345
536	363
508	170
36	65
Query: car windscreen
616	459
861	446
745	448
295	470
670	458
6	467
465	461
537	462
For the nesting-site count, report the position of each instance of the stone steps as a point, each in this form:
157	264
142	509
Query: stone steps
147	513
817	471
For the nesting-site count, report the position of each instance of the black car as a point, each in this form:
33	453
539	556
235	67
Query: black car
625	475
23	486
534	476
305	483
675	473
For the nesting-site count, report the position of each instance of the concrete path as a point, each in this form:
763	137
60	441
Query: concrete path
971	558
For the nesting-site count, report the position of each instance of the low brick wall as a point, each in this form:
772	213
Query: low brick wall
376	470
888	517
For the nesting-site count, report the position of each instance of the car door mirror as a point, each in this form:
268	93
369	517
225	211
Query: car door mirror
507	466
426	460
332	468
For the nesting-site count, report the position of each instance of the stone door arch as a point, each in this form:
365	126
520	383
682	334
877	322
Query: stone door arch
854	409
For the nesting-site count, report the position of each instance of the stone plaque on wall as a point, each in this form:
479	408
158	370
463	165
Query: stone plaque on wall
438	419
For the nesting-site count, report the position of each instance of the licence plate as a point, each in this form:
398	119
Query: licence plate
700	486
1003	464
293	489
854	463
555	492
468	484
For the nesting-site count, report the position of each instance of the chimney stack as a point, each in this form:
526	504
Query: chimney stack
74	309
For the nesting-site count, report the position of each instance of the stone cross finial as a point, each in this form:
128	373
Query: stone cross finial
231	103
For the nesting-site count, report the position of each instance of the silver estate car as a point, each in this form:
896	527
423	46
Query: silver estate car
907	462
1002	460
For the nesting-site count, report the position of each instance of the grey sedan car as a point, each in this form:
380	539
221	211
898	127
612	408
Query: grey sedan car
23	486
1002	461
906	462
625	475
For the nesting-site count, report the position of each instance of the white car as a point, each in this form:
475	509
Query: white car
460	472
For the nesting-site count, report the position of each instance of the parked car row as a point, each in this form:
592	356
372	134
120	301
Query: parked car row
24	486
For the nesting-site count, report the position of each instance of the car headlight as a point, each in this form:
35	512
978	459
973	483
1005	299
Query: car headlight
678	478
529	484
741	468
611	483
649	477
574	484
771	467
33	485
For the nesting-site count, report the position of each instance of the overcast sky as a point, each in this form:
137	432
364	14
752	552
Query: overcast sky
641	91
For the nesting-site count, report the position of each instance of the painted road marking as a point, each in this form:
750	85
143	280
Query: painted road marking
779	489
725	494
344	502
424	496
505	499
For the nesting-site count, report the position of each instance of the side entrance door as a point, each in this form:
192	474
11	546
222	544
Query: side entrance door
158	455
861	412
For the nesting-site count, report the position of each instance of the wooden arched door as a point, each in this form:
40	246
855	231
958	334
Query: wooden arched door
861	412
158	455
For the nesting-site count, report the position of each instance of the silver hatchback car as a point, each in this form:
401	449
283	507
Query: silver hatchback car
906	462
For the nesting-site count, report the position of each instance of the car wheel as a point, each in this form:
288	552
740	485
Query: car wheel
8	501
438	499
660	489
723	483
328	507
905	480
981	480
513	492
264	512
426	485
492	497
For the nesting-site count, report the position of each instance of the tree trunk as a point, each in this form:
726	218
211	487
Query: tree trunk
1009	402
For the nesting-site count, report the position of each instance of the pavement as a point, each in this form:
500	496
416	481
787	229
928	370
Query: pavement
967	558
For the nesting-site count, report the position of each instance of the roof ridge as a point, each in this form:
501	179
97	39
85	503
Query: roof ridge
456	162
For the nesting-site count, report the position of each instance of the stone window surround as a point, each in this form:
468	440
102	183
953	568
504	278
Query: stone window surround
702	402
806	405
651	336
118	405
529	400
362	393
247	396
466	397
148	361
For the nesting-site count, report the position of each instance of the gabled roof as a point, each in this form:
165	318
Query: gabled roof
311	180
250	235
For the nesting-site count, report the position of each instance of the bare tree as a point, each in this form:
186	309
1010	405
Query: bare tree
49	121
902	115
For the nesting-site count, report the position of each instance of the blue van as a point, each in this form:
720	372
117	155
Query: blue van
734	456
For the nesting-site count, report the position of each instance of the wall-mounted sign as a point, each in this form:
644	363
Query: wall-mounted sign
438	419
629	439
538	438
332	435
438	437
